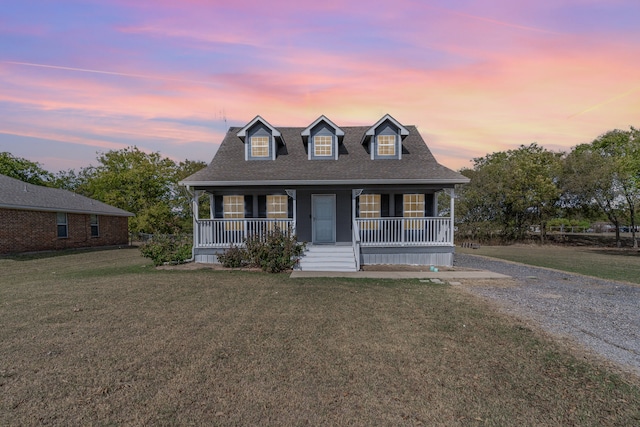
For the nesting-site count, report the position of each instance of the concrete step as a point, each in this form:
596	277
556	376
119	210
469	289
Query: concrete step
328	258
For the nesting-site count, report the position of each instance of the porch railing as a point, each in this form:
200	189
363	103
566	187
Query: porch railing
228	232
433	231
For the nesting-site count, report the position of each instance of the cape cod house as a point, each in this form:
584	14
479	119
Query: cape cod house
356	195
36	218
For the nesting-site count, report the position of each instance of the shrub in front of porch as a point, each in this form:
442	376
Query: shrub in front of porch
167	249
273	251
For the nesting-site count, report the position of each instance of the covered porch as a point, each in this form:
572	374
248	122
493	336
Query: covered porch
345	219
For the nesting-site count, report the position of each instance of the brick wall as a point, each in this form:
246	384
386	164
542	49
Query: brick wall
26	231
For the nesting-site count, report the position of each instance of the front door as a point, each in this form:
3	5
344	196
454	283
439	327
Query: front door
324	218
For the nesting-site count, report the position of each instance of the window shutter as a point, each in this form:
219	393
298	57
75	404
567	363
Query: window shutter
219	207
262	206
289	207
428	205
248	206
399	203
384	205
358	207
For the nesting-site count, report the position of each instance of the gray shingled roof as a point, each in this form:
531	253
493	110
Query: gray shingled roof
15	194
354	164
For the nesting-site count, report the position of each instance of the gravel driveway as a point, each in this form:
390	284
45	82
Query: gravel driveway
602	315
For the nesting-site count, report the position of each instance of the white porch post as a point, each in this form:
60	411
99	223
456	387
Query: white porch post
292	194
452	193
196	216
212	206
355	193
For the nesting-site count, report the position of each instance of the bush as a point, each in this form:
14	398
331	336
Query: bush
234	257
274	251
167	249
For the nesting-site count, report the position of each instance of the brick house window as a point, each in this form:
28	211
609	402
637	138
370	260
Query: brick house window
95	231
63	225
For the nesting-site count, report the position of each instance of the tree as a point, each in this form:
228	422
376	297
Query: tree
142	183
623	149
510	192
588	183
23	169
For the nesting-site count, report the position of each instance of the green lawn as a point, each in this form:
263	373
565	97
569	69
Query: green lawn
615	264
103	338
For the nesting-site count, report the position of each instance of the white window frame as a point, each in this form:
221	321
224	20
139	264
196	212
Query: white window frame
95	224
62	223
258	144
277	206
370	207
414	201
233	208
320	145
387	142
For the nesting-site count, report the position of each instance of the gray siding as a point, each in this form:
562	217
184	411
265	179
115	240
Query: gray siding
438	256
323	129
343	214
386	128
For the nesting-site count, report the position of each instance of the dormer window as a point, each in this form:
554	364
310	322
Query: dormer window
261	140
322	139
322	145
386	145
385	139
259	146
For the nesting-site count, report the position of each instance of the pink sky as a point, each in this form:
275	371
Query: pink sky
172	76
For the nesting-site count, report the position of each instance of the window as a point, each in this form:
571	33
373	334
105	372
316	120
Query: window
277	206
322	145
259	146
95	231
233	209
63	225
413	207
386	145
370	208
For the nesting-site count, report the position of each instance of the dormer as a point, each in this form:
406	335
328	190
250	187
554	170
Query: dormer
322	138
260	140
385	138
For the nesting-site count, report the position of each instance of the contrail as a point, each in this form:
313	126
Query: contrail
615	98
111	73
495	21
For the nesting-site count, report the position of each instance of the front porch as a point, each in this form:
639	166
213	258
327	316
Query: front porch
339	217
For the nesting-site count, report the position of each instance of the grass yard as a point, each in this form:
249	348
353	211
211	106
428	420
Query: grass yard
103	338
606	263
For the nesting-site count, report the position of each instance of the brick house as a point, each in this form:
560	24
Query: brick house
37	218
356	194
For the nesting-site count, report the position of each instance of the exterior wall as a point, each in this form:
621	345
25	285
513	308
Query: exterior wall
439	255
343	214
28	231
259	130
386	128
323	129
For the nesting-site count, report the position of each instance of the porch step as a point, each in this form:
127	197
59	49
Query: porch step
328	258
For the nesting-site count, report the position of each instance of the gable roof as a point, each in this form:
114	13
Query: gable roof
323	118
353	166
242	133
16	194
372	130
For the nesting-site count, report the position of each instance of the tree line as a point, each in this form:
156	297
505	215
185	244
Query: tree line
145	184
512	192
